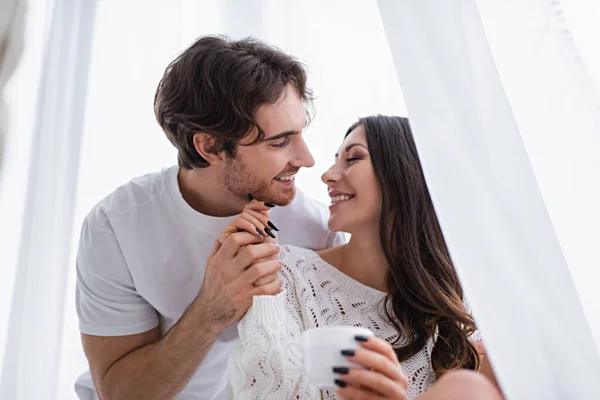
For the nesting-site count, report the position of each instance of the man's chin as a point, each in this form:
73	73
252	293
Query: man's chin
280	198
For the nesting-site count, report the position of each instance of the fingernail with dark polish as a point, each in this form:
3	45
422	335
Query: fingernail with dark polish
272	225
269	233
340	383
269	205
260	232
250	197
340	370
349	353
361	338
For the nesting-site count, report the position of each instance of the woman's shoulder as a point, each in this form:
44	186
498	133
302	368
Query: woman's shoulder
300	268
298	257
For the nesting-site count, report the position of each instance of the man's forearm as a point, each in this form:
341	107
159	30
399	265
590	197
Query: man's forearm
162	370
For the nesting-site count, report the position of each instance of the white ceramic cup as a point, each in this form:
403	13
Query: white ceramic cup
321	350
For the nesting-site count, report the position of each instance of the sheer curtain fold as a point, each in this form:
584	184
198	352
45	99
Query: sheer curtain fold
484	188
35	326
12	34
557	109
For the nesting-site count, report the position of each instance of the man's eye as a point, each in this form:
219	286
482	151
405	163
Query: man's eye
283	143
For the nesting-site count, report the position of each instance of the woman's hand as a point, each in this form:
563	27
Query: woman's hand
255	219
383	377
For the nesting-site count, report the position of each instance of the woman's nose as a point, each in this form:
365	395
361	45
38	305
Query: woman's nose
330	176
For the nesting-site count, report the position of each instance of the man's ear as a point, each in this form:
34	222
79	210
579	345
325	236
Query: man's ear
205	146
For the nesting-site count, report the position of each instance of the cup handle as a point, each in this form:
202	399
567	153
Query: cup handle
298	369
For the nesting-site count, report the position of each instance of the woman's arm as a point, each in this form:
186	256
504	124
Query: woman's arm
261	365
383	378
485	368
258	362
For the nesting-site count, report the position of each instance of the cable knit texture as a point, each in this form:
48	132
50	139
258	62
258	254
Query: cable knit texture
264	365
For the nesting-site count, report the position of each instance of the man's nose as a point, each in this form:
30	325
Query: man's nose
303	157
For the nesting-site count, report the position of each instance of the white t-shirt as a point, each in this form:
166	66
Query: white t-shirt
141	262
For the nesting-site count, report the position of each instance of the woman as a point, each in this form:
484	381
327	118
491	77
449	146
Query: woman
395	277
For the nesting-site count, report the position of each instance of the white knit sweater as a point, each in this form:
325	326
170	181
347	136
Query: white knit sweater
263	366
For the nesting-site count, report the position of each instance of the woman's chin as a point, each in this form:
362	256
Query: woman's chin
353	224
336	224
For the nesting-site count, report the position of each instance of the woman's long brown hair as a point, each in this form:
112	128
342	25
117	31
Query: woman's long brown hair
425	297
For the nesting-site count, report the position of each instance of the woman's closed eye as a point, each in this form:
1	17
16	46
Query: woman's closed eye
352	159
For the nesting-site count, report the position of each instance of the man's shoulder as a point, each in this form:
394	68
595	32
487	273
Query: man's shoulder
302	199
305	208
129	196
303	223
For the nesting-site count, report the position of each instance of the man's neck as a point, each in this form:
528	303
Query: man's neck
204	191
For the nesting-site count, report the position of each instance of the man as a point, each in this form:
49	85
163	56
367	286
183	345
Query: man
157	297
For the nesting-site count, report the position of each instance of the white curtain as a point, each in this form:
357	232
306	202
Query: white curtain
353	74
12	28
12	33
556	106
35	324
472	129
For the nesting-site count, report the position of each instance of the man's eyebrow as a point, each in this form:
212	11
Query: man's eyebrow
285	133
280	136
351	145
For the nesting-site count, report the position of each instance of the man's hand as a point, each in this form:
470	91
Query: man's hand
232	269
255	220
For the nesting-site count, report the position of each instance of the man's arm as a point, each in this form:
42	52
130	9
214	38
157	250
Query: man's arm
144	366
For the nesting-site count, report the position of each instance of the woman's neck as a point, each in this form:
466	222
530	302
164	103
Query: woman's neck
362	259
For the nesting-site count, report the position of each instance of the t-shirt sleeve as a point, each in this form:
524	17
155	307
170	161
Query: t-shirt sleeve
336	239
107	301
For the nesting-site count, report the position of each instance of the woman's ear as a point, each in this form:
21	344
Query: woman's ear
205	146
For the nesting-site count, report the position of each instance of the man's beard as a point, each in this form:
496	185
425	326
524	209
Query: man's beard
240	181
